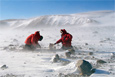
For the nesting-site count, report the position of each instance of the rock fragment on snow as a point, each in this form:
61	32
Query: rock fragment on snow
72	51
4	67
90	53
15	40
69	53
112	55
101	62
12	48
12	75
64	61
55	58
86	43
51	46
85	68
5	48
11	45
68	75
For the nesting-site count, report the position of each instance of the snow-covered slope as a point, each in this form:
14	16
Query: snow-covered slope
92	32
61	20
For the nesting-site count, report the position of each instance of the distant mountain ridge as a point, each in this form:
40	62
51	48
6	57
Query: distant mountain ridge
58	20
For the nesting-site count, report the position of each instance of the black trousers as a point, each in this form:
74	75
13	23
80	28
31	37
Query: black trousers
66	48
29	47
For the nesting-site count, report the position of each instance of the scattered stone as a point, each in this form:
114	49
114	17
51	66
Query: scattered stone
108	39
85	68
86	43
4	67
100	44
51	46
12	75
12	48
112	55
24	62
22	46
93	57
67	54
11	45
80	48
101	62
5	48
92	49
64	61
95	32
68	75
72	51
87	57
79	53
55	58
15	40
75	47
90	53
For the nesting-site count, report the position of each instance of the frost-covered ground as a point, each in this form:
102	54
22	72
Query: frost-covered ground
98	38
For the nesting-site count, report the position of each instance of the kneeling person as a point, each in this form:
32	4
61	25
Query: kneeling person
31	42
65	39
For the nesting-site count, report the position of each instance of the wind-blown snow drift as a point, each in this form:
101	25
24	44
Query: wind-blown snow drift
60	20
95	32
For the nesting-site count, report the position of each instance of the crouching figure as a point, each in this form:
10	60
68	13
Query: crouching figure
31	42
66	39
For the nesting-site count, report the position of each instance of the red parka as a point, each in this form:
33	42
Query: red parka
65	39
33	39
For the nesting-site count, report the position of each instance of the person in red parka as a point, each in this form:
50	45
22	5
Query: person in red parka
31	41
65	39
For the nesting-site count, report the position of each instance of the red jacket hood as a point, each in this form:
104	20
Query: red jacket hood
37	33
64	31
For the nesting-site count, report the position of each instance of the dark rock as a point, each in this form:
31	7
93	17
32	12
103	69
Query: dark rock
12	48
4	67
85	68
90	53
72	51
51	46
12	75
56	58
95	32
79	53
5	48
112	55
11	45
64	61
86	43
92	49
15	40
70	75
101	62
67	54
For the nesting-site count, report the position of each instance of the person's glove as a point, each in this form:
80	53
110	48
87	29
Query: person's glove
54	43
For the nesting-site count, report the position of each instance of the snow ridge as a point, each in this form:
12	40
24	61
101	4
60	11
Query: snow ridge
57	20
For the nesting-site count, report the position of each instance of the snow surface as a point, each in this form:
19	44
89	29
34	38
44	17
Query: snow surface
97	29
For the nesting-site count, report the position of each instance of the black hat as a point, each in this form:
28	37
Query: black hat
41	37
